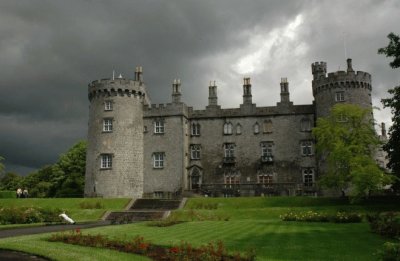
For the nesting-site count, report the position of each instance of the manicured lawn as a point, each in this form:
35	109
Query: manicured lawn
253	223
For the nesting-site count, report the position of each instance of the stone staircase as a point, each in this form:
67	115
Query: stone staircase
144	210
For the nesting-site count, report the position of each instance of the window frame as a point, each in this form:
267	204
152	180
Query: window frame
306	145
108	125
229	150
158	160
195	129
195	151
307	176
106	161
228	127
159	127
305	125
339	96
108	105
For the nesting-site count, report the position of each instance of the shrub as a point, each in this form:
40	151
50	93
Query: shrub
27	215
386	223
390	252
312	216
169	221
343	217
204	205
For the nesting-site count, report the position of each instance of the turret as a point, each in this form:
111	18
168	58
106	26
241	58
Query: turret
114	161
339	87
176	91
318	69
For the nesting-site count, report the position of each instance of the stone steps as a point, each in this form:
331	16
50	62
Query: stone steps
144	210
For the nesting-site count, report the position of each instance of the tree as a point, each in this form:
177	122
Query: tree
392	147
1	165
346	142
392	50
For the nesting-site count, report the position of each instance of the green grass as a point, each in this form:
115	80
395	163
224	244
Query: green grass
70	205
254	223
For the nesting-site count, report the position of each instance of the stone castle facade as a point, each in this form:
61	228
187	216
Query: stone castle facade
138	149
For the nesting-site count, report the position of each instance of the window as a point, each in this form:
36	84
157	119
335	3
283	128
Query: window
158	160
232	179
158	194
195	129
238	129
108	106
339	96
267	126
229	149
256	128
306	148
159	127
107	125
106	161
308	177
305	124
228	128
195	151
265	179
266	151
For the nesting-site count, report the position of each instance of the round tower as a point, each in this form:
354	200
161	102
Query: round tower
339	87
114	159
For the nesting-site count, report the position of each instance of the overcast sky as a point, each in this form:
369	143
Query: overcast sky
50	50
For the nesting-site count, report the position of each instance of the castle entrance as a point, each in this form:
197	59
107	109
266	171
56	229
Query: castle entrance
194	179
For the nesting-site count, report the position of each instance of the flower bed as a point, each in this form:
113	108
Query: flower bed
312	216
138	245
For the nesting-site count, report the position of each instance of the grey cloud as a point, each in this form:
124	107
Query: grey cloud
50	50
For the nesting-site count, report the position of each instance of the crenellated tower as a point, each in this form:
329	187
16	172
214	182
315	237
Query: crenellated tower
339	87
114	163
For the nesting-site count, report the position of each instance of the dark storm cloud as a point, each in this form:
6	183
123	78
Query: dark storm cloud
51	50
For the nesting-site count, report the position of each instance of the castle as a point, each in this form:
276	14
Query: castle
138	149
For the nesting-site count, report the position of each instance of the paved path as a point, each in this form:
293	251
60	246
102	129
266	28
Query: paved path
49	228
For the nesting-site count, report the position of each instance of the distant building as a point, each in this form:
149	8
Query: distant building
136	149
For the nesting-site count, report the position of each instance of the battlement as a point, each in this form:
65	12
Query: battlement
116	87
169	109
338	79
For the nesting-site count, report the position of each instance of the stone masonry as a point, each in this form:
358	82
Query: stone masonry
138	149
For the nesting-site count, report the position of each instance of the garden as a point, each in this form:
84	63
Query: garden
241	228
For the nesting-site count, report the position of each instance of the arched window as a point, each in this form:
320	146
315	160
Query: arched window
195	129
228	128
238	129
267	126
256	128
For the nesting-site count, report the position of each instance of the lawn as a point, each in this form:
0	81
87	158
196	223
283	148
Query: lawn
252	223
